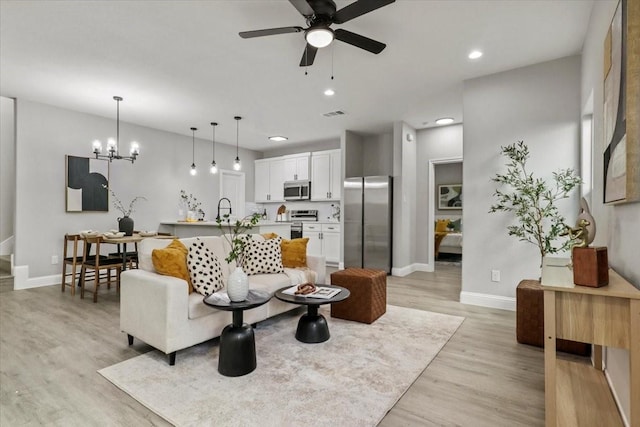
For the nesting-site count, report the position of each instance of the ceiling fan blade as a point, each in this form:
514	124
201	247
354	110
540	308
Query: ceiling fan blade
269	32
359	41
308	55
303	7
358	8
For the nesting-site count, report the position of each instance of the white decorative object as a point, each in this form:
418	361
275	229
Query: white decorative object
557	271
238	285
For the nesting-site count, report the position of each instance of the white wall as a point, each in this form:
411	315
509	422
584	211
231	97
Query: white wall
539	104
404	199
432	143
377	156
618	226
7	174
328	144
45	134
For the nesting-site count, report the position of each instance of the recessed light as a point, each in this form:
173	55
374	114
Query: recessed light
475	54
278	138
329	92
444	121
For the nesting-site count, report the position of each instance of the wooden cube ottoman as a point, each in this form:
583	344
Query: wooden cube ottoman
530	320
368	299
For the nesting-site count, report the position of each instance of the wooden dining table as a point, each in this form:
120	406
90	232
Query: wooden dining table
134	238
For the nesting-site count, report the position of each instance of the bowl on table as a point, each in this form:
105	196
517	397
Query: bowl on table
112	235
148	233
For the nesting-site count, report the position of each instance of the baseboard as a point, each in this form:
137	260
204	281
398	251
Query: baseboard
488	300
404	271
616	399
21	279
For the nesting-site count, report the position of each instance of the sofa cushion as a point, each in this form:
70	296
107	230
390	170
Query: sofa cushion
294	252
269	282
145	248
441	225
172	261
204	269
216	245
263	257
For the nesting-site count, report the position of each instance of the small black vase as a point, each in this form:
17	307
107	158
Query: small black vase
125	224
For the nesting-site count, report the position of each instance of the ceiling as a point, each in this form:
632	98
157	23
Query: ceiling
179	64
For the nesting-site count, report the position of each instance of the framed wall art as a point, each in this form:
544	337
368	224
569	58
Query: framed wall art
450	196
84	190
621	119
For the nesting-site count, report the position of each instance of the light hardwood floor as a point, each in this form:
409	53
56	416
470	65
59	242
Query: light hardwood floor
52	344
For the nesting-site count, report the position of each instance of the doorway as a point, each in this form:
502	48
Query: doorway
232	187
446	206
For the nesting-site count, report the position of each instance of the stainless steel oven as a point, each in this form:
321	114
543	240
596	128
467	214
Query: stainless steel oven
300	216
296	230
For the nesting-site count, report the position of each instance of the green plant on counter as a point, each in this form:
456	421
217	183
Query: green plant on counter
189	201
533	201
233	229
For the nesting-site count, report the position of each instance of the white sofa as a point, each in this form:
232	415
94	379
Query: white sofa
159	310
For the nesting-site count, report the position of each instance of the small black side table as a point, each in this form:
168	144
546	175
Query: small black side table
312	327
237	341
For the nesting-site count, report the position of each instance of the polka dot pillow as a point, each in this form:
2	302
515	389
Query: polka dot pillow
204	269
263	257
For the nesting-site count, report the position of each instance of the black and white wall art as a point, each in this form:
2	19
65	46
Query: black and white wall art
85	180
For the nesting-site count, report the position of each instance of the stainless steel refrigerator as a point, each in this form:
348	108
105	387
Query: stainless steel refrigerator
368	215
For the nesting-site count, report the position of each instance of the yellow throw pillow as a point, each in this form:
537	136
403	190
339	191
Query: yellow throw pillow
441	225
172	261
294	252
268	236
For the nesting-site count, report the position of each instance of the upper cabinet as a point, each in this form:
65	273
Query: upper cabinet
325	175
296	167
326	179
269	179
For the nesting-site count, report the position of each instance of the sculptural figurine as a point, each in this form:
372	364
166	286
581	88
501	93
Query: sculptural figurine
584	232
579	234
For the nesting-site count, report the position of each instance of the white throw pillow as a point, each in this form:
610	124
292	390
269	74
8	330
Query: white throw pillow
263	257
204	269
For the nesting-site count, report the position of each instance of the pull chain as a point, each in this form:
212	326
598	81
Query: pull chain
332	48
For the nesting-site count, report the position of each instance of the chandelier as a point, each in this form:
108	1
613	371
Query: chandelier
113	145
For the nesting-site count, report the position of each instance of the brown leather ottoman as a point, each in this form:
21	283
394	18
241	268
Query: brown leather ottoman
530	319
368	299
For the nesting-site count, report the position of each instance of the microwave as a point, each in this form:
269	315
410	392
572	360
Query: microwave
297	190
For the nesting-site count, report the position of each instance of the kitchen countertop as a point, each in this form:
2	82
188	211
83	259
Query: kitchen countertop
215	224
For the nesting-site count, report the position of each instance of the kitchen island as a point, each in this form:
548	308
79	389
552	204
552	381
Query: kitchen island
210	228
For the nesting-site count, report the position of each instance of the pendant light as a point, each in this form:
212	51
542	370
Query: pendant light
193	151
214	167
113	151
236	162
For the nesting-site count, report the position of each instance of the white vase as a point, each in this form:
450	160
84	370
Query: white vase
238	285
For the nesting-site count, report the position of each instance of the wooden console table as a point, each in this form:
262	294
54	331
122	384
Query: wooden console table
576	394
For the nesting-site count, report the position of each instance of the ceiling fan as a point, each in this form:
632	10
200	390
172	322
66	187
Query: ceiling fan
320	14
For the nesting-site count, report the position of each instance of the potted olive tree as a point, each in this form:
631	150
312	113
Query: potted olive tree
533	201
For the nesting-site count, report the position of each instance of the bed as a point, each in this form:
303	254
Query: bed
448	240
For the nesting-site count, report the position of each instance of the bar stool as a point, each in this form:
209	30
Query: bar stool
98	263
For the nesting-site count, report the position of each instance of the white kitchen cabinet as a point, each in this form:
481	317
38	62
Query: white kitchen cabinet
261	187
324	240
269	180
326	175
296	167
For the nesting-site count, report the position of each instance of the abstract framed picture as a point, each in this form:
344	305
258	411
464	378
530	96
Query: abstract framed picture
84	190
450	196
621	119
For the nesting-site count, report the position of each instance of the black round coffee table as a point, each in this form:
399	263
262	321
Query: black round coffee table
237	341
312	327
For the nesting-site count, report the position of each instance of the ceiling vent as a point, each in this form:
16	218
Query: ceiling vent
334	113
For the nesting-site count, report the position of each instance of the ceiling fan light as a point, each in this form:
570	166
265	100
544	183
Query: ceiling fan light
319	36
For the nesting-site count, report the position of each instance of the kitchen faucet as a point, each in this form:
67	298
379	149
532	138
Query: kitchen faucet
229	208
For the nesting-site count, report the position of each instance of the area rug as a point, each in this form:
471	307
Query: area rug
353	379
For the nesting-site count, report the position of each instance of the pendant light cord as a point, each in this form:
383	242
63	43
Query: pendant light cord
117	127
237	135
